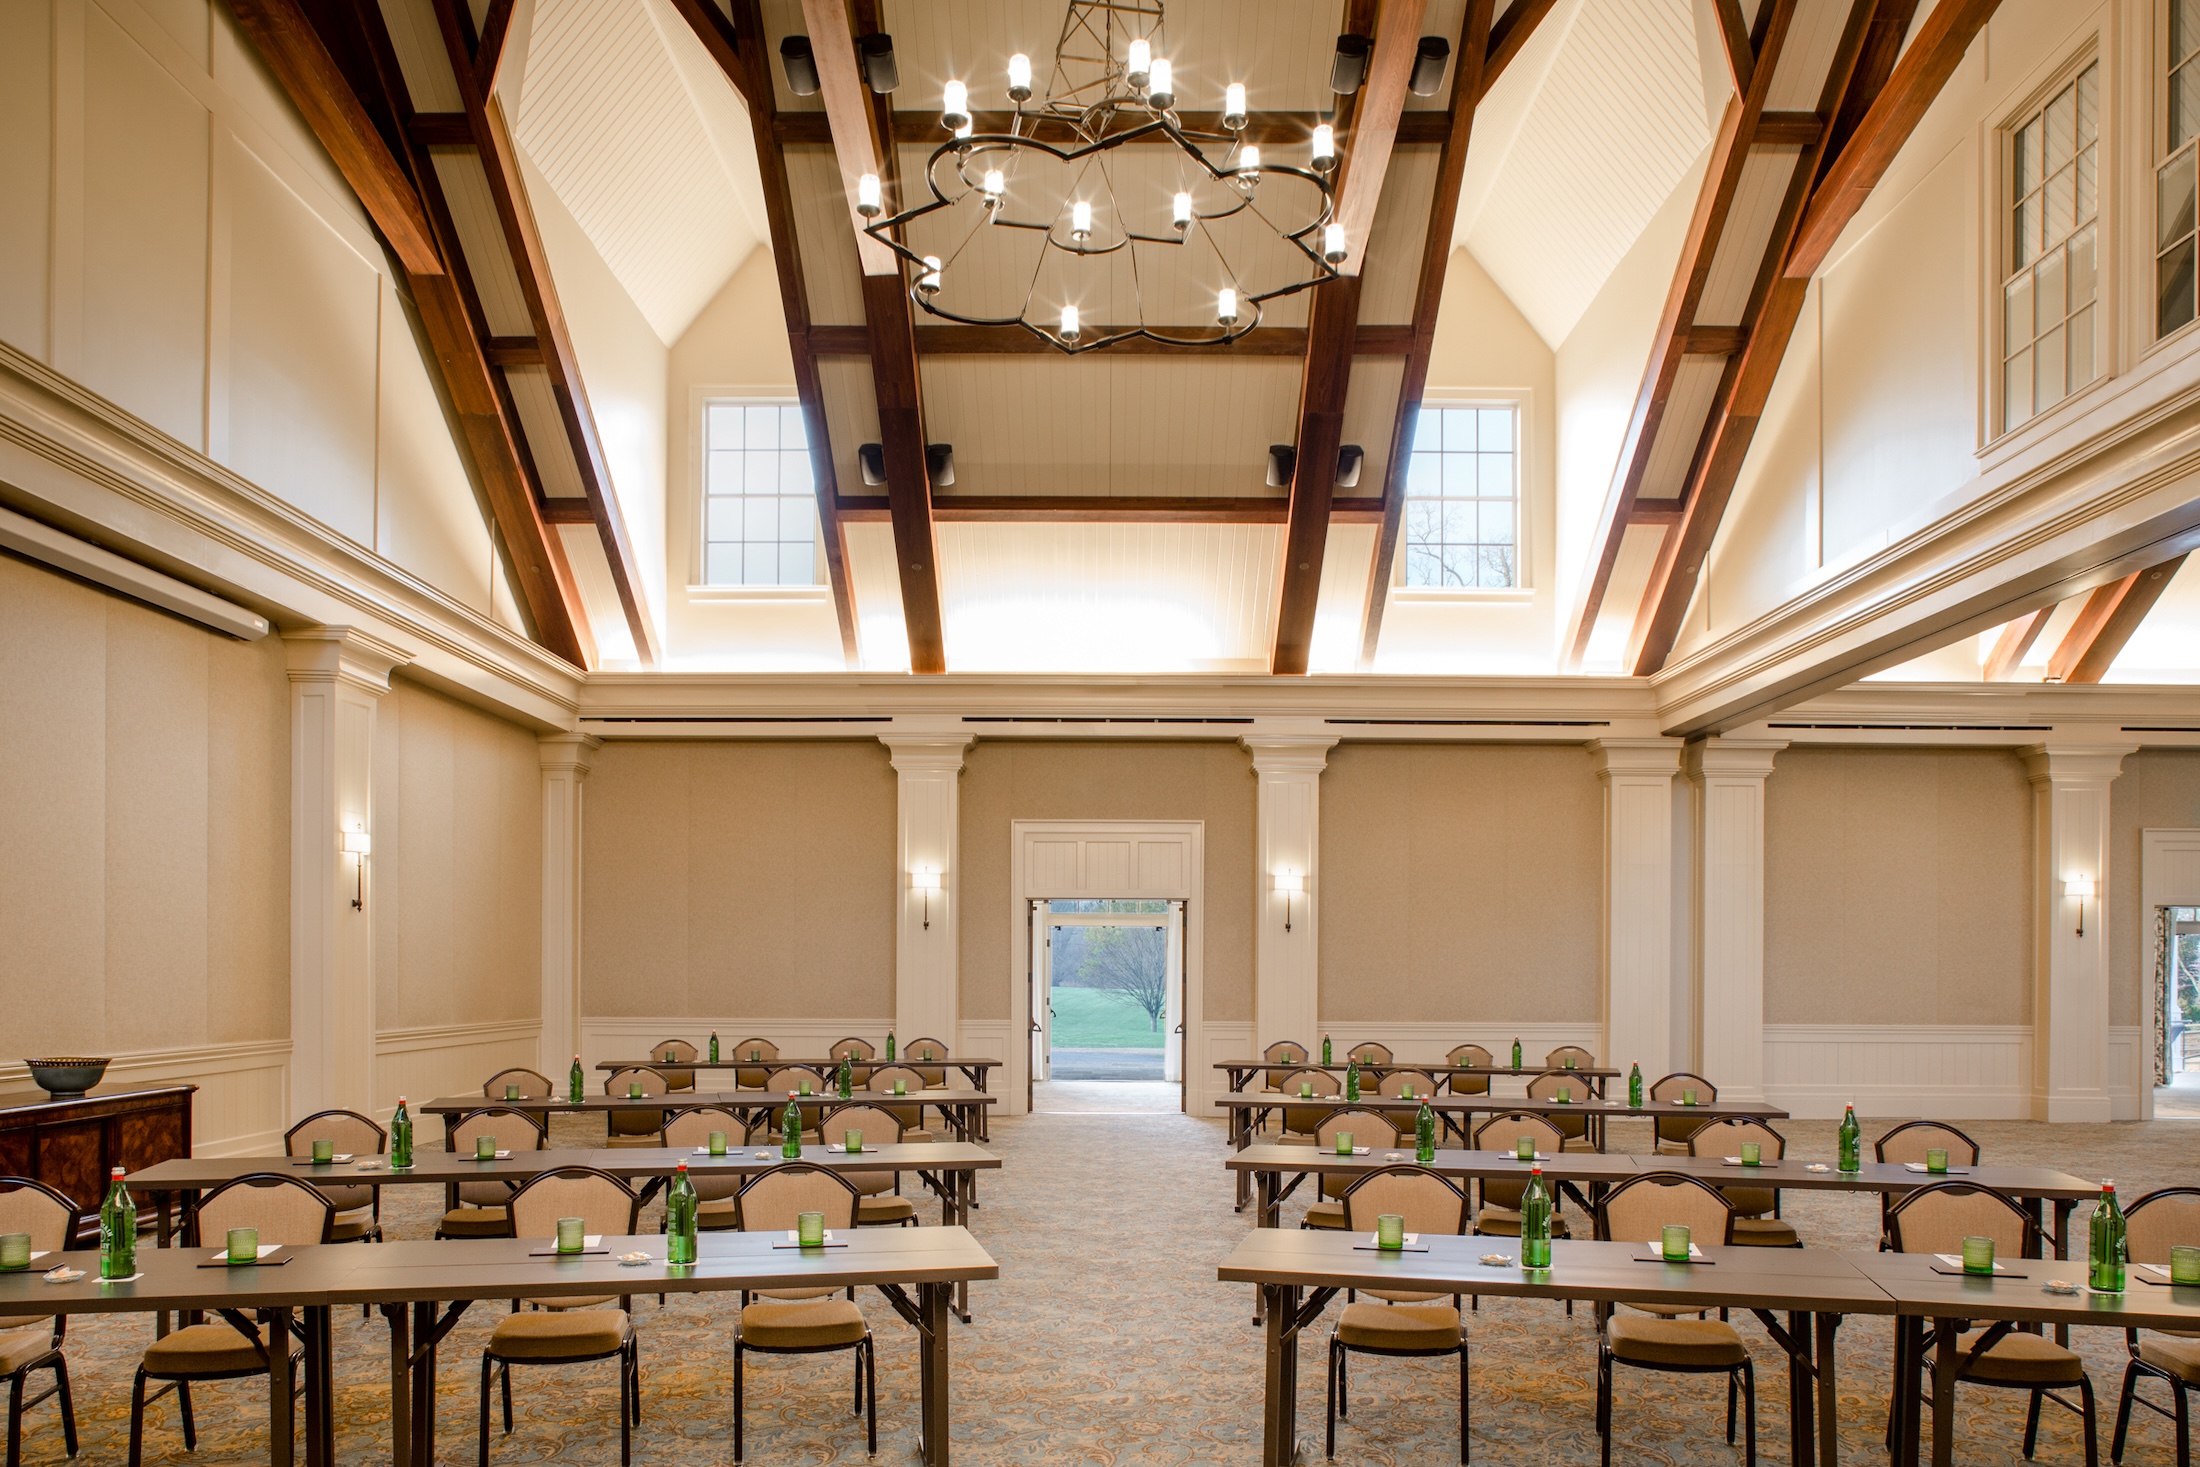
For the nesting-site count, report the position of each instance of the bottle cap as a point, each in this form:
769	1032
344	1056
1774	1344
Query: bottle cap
683	1166
2107	1185
117	1174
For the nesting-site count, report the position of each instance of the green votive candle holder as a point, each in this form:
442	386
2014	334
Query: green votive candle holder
1306	1089
1390	1231
1405	1091
717	1143
852	1139
244	1245
1524	1148
928	1054
633	1090
1344	1143
1978	1255
901	1087
572	1234
1565	1095
810	1229
1688	1097
15	1252
804	1086
1569	1062
2184	1265
1936	1159
755	1055
1753	1152
1674	1242
324	1151
485	1148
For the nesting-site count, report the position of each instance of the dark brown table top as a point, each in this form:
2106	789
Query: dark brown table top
170	1278
1908	1279
1877	1176
1562	1166
97	1095
697	1099
1816	1280
1386	1067
1710	1110
824	1063
200	1173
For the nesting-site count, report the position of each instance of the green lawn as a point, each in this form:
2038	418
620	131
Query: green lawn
1088	1018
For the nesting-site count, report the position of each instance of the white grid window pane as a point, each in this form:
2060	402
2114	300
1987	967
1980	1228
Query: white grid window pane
759	517
1462	492
2054	162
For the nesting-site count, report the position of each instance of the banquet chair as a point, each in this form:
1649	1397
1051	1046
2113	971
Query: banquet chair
1574	1128
358	1209
911	1116
879	1202
1406	1323
858	1052
289	1213
935	1075
477	1209
634	1127
2153	1224
799	1321
1468	1054
1283	1052
760	1053
1908	1143
1369	1128
1653	1337
1499	1214
575	1330
1582	1058
1757	1221
1397	1083
689	1130
1369	1053
1936	1219
1301	1120
1674	1131
679	1049
31	1342
532	1085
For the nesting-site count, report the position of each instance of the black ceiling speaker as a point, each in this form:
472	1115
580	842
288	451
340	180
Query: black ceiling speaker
1349	459
875	53
872	456
1428	66
1282	459
800	64
1350	68
939	462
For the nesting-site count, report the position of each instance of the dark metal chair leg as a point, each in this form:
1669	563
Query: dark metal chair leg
1464	1454
137	1419
870	1396
504	1373
1604	1403
2123	1411
1749	1418
2092	1422
488	1383
736	1400
2184	1425
15	1418
68	1404
1733	1390
2031	1425
190	1422
1330	1398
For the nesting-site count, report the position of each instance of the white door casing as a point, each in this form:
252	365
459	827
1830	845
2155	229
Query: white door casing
2169	876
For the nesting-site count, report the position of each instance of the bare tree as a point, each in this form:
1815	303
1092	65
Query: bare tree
1131	961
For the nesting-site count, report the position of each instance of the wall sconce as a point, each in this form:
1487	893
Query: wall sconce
2080	887
357	845
1291	884
926	881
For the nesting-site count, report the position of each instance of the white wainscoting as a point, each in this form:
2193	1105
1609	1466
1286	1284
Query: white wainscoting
1951	1071
243	1103
626	1039
449	1059
1223	1039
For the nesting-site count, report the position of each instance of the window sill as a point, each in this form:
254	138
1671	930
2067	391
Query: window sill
1454	595
795	594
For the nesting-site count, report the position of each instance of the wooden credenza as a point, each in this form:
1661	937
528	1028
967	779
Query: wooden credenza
73	1145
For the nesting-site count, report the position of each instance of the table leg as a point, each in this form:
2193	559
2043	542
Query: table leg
932	1302
1944	1393
400	1384
1829	1395
282	1408
423	1388
1279	1446
1799	1389
320	1388
1909	1337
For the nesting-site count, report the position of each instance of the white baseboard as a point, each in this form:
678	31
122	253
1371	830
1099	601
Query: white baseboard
243	1102
449	1059
1223	1039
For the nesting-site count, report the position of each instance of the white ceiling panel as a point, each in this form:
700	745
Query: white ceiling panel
851	416
830	270
1687	407
1763	186
544	427
599	596
421	59
1814	35
874	586
1392	275
481	236
1371	416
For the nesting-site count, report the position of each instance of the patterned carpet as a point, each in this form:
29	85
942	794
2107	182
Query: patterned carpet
1107	1341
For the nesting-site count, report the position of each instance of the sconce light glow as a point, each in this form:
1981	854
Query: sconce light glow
927	881
358	843
1291	884
2079	885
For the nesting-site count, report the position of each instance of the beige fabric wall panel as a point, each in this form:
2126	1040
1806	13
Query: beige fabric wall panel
1897	887
144	881
1004	781
2158	790
1459	883
739	878
458	847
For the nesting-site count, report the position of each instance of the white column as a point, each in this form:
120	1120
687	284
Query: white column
566	758
2069	967
1730	910
337	677
1286	938
927	984
1638	900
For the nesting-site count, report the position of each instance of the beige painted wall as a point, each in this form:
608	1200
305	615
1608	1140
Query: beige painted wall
145	800
1897	887
1011	780
2159	789
751	880
1460	883
458	849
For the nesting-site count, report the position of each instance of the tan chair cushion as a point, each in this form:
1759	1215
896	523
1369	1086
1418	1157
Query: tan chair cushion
561	1335
1765	1232
19	1347
476	1222
884	1209
779	1325
26	1321
1651	1340
1672	1148
1325	1215
717	1212
2179	1355
2022	1359
1750	1201
1292	1138
352	1224
1504	1222
1580	1143
582	1301
1399	1326
203	1349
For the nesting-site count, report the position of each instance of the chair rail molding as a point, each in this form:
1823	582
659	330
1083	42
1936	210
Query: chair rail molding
449	1059
243	1105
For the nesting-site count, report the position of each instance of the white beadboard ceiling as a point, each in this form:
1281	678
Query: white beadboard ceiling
635	128
1576	147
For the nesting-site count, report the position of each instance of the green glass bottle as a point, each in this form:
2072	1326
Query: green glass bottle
847	1080
1851	1142
889	1046
1516	1054
1352	1079
790	1129
401	1137
1424	1135
575	1082
1325	1049
117	1231
2106	1235
1535	1222
680	1218
1634	1086
714	1046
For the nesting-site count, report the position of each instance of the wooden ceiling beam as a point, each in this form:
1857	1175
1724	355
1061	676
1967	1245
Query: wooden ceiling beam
1509	35
1741	56
746	68
2105	623
1100	509
530	260
1477	52
2015	640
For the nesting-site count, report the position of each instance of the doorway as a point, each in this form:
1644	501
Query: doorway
1107	991
2177	967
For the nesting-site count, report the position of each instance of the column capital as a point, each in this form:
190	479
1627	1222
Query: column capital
927	753
1637	758
1731	758
2064	761
1282	753
333	654
567	753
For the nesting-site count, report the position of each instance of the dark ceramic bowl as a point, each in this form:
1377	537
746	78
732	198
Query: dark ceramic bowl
67	1078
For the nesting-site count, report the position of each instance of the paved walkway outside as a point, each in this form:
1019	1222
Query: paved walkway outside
1106	1064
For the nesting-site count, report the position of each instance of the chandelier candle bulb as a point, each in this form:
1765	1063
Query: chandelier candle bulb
929	282
1180	211
954	105
1325	147
1140	64
1233	106
1069	323
1226	306
1019	78
992	186
1080	221
869	201
963	131
1249	163
1161	84
1333	249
